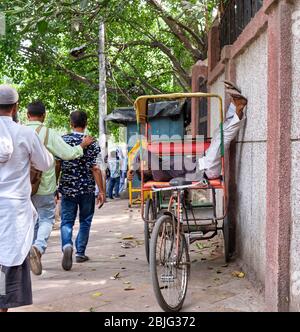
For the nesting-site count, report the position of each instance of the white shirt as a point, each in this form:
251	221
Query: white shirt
17	214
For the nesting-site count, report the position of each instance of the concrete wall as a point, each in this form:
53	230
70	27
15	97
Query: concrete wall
295	192
251	74
218	88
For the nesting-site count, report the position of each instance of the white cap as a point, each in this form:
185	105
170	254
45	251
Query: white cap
8	95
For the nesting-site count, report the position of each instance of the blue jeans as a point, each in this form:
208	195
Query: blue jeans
122	181
45	207
69	208
114	184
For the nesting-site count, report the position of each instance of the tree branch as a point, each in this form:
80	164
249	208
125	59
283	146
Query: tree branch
167	51
176	28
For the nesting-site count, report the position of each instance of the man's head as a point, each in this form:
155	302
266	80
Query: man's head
78	120
8	100
36	111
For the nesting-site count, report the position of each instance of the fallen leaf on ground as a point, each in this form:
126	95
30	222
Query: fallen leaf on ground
123	255
238	274
126	282
113	257
115	276
203	259
128	237
219	271
97	294
129	288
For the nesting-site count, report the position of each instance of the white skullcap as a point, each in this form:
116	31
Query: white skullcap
8	95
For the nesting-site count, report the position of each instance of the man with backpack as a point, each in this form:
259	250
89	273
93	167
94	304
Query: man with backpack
44	185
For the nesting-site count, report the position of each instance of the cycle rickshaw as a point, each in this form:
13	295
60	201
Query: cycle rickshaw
169	231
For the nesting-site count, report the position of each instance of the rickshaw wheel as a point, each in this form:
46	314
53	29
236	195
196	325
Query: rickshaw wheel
150	215
170	269
226	237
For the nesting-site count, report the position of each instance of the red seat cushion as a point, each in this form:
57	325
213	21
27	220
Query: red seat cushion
178	148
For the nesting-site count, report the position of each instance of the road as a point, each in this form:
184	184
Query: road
91	286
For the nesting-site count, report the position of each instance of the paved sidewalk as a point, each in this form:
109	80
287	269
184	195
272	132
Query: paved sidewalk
90	286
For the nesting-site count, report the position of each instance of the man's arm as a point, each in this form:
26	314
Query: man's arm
39	156
57	170
58	147
57	174
97	174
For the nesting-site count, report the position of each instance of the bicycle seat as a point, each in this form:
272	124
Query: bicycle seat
178	182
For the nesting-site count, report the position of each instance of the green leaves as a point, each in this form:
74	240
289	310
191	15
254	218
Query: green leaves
144	54
83	4
42	26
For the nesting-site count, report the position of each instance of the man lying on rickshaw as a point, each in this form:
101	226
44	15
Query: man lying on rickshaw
208	166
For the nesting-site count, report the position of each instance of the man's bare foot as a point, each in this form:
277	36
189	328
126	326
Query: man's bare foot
240	103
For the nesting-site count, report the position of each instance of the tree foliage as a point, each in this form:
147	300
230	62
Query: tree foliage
51	50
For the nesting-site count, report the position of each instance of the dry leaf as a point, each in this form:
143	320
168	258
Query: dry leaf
128	237
129	288
97	294
238	274
115	276
126	282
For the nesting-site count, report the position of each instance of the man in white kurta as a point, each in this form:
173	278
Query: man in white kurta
19	148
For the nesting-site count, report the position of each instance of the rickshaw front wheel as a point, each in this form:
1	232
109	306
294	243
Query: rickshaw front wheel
169	265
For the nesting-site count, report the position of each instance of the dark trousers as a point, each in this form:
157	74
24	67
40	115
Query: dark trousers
114	185
69	208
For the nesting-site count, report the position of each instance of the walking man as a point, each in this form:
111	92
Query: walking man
44	199
19	148
114	168
77	187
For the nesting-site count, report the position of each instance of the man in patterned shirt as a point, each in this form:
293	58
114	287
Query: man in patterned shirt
77	187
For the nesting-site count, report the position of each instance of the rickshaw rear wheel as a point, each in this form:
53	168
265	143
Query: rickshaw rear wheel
170	269
150	215
226	237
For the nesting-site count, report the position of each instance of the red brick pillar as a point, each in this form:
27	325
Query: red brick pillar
213	53
198	70
278	223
